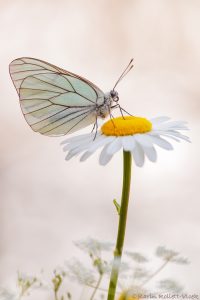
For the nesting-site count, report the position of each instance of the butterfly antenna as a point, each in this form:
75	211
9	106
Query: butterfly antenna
124	73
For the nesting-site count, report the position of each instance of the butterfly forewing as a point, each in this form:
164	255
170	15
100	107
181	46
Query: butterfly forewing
54	101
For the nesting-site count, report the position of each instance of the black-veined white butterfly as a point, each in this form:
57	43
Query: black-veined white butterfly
57	102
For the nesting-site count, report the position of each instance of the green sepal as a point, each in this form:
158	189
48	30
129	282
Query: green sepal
118	207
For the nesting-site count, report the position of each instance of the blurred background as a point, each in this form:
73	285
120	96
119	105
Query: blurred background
47	203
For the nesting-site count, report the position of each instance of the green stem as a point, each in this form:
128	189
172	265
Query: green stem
156	272
96	287
55	295
121	226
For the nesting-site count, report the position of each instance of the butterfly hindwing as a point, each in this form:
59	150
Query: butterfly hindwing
54	101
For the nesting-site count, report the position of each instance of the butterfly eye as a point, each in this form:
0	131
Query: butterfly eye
114	95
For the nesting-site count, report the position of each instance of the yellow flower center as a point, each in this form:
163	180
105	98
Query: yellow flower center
123	296
127	125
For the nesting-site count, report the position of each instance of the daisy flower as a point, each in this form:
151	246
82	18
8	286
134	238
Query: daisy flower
137	137
133	134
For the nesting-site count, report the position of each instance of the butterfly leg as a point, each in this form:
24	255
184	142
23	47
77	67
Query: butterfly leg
95	127
122	109
96	131
111	116
118	106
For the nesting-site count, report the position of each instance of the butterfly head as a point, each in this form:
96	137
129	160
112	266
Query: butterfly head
114	96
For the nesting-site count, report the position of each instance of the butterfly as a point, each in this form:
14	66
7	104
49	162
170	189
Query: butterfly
56	102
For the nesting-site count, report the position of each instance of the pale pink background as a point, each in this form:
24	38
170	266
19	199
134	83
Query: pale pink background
46	203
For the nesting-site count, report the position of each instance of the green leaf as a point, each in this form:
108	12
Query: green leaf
118	207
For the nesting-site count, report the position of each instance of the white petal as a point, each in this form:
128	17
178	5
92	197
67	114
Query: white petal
103	140
128	142
176	123
151	153
178	134
172	125
146	145
143	140
163	133
180	128
78	143
158	120
114	146
161	142
104	157
73	153
86	155
93	148
77	138
138	155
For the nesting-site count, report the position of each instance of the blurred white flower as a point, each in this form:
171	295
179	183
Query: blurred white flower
180	260
165	253
140	273
15	289
7	294
93	246
169	285
136	256
134	134
168	254
75	270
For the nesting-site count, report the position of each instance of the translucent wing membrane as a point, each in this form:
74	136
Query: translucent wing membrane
54	101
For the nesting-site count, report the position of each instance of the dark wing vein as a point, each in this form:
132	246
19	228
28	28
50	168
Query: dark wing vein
76	123
66	106
42	61
52	83
66	122
30	112
93	86
55	115
67	80
59	93
77	92
28	71
49	116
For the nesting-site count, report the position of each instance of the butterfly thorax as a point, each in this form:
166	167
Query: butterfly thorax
105	109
